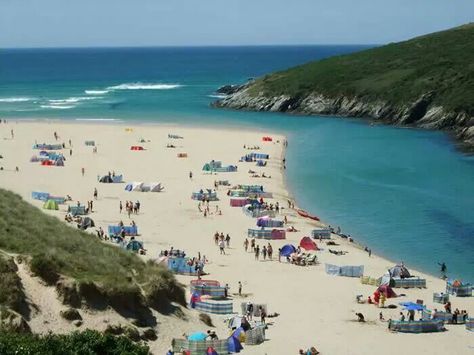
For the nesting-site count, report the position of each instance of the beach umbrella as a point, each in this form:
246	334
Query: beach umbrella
410	306
197	336
287	250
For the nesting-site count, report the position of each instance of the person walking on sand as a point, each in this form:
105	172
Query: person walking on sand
269	251
190	175
240	288
83	171
246	244
222	247
257	252
120	207
70	152
227	240
12	133
95	193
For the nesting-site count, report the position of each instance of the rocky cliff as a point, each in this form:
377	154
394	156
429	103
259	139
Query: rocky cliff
421	113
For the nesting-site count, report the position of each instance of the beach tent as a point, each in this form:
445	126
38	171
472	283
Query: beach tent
234	345
387	291
399	271
47	163
134	186
106	179
155	187
134	245
308	244
51	205
287	250
87	222
59	162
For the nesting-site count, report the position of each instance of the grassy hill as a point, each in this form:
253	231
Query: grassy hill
441	63
98	272
426	82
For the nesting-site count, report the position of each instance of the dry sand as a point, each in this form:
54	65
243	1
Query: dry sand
315	308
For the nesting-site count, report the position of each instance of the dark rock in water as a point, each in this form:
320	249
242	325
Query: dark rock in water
71	314
229	89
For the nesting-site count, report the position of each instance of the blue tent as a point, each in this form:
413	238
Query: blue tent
287	250
233	345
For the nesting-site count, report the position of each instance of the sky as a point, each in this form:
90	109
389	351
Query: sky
99	23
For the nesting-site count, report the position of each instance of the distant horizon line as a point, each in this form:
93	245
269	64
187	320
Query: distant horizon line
193	46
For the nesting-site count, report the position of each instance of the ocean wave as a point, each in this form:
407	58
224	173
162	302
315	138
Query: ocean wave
97	119
96	92
143	86
58	107
218	96
16	99
72	100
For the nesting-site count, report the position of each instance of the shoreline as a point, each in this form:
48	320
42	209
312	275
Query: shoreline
144	123
323	301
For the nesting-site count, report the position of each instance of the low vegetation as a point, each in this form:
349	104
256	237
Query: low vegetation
88	342
398	73
102	273
11	292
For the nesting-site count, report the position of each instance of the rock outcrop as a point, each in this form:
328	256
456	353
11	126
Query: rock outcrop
421	113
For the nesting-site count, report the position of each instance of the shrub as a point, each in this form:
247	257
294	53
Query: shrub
89	342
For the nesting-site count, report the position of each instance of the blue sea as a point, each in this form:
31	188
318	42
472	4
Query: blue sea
408	194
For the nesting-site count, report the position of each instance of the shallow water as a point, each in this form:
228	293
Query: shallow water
406	193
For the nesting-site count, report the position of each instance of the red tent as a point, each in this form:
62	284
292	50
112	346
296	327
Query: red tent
47	162
308	244
387	290
136	147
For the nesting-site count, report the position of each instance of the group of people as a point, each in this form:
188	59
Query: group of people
222	241
130	207
265	251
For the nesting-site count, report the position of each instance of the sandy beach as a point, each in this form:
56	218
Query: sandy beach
315	309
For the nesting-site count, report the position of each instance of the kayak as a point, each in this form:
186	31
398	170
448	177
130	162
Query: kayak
305	214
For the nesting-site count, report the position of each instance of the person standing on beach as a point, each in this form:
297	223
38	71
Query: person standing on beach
269	251
222	246
95	193
12	133
246	244
190	175
227	240
257	252
240	288
83	171
70	152
264	252
120	207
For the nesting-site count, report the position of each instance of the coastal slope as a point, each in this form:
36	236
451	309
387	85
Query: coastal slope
425	82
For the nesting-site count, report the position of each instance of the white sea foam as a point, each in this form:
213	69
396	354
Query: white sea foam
96	92
73	100
143	86
58	107
16	99
97	119
218	96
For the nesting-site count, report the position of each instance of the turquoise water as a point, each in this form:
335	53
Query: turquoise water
406	193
